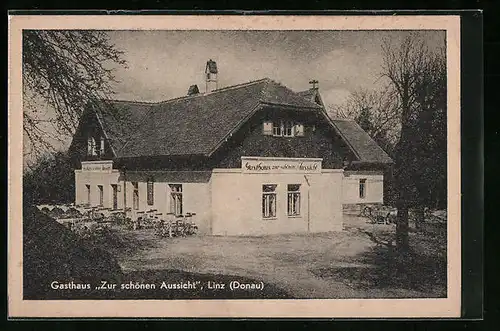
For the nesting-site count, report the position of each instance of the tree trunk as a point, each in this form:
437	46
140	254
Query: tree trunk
402	240
419	217
403	160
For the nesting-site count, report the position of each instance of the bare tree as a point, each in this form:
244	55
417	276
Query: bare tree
377	112
63	70
408	68
430	134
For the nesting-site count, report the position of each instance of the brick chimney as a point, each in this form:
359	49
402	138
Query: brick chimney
211	76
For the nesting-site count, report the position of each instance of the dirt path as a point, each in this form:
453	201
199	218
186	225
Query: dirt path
200	255
289	262
328	265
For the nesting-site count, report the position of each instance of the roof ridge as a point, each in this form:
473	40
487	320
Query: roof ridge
155	103
224	89
179	98
313	104
290	105
148	103
239	85
261	94
342	119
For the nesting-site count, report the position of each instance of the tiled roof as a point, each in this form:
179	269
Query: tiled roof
121	120
194	125
364	146
308	94
171	176
198	124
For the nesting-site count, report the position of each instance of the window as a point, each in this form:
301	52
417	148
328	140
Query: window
293	199
135	195
269	200
277	129
88	193
176	199
101	194
285	129
114	187
91	146
150	193
362	188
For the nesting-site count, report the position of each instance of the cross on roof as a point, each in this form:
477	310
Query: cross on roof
314	83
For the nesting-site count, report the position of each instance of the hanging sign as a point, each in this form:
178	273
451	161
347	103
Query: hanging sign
97	166
280	165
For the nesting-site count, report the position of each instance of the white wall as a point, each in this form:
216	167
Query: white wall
196	196
237	203
326	201
195	199
374	188
231	202
94	179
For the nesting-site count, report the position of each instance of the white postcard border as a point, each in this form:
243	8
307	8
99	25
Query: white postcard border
314	308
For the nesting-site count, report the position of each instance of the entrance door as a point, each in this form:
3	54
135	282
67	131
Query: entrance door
115	196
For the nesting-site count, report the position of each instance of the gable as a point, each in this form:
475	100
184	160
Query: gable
89	127
360	142
319	140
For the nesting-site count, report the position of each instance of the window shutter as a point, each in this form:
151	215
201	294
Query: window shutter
89	146
299	130
102	145
267	128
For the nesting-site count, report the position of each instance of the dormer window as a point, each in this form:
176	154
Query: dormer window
288	129
283	129
277	129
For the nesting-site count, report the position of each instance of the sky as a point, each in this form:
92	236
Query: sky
163	64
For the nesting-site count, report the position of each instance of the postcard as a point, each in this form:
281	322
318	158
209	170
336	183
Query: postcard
208	166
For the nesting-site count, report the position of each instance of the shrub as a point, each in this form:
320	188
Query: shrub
52	252
72	213
56	212
50	180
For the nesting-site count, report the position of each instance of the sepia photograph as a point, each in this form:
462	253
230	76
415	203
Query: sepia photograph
234	164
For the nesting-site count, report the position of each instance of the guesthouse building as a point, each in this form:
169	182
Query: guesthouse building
250	159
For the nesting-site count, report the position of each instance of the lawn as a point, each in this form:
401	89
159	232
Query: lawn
358	262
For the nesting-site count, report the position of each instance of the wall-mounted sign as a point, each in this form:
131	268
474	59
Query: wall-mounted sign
97	166
280	165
